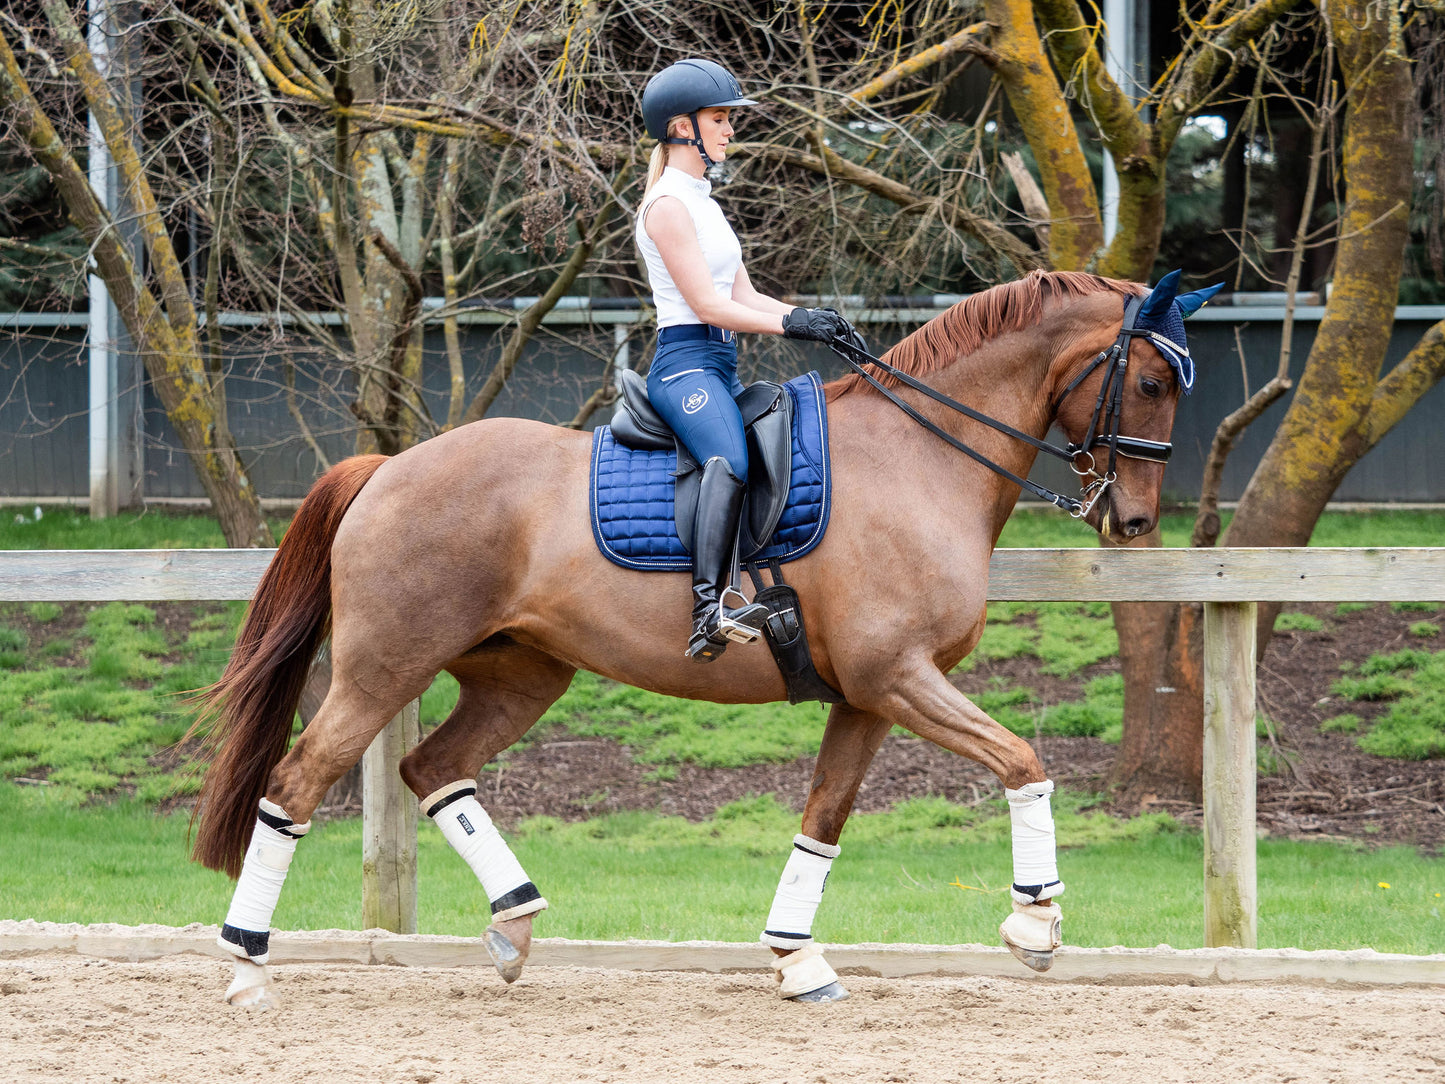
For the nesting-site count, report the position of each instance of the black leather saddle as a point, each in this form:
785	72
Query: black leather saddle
767	411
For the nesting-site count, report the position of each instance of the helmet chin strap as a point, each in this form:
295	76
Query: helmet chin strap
707	162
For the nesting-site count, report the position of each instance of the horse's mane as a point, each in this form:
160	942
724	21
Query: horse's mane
963	328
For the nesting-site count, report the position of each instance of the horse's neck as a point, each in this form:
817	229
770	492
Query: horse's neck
1004	379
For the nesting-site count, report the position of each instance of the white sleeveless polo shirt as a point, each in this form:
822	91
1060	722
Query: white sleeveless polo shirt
720	246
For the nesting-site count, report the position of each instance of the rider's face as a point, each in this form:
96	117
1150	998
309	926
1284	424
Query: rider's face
715	125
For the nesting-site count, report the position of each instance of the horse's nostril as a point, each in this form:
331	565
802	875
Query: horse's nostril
1137	526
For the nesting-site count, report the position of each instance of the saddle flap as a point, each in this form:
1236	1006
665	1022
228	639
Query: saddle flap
770	463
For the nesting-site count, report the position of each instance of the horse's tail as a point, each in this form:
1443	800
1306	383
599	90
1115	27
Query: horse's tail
252	707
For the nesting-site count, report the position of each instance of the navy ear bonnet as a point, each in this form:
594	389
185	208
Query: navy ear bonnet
1161	320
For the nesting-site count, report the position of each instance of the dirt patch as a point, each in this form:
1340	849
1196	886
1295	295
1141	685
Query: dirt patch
1324	786
87	1021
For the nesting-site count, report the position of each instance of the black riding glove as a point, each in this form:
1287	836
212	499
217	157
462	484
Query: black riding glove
816	325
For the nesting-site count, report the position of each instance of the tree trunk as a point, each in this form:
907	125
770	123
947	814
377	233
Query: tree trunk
1339	412
164	328
1161	755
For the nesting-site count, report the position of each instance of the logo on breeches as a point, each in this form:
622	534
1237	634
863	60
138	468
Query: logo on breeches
695	402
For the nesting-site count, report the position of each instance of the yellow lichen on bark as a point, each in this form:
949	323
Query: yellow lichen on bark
1076	230
1327	429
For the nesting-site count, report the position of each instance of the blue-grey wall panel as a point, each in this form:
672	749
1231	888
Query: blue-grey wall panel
43	406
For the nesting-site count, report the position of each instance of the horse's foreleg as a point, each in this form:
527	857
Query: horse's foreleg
504	691
924	702
850	740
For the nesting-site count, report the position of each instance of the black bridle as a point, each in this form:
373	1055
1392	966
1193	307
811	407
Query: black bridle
1103	425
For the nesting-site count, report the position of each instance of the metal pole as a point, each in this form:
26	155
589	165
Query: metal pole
1126	61
103	489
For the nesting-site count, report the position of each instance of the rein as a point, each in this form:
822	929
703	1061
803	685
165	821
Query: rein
1103	425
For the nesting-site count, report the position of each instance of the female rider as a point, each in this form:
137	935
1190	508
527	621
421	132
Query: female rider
704	297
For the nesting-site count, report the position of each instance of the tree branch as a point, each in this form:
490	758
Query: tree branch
965	41
116	128
1401	388
531	318
1194	80
1206	522
993	236
1072	44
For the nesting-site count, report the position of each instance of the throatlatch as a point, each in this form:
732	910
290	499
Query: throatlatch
247	930
470	831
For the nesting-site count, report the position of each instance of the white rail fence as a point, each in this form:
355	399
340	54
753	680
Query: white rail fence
1229	582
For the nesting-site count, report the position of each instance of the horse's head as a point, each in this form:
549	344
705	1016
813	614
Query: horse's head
1116	403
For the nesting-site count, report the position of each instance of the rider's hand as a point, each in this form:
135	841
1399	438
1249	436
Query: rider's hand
816	325
852	336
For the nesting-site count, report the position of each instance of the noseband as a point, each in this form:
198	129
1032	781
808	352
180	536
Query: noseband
1103	425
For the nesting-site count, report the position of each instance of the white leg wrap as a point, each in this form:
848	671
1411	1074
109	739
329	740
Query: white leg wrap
800	890
472	835
273	845
1036	865
803	971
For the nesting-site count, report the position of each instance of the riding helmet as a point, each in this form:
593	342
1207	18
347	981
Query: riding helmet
684	88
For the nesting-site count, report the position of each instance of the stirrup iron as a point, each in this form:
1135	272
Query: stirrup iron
745	624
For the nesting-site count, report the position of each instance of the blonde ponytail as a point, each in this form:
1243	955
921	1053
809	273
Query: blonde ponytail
656	165
658	162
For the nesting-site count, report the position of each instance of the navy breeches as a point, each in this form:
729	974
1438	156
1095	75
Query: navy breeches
692	385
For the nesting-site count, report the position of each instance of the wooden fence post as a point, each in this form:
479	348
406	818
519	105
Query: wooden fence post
1230	894
388	828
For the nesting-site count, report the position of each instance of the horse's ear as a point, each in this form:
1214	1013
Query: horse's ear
1193	301
1159	299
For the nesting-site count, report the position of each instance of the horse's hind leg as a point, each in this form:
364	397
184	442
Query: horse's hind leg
850	740
349	718
505	688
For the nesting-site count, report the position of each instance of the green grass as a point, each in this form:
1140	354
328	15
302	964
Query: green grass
1297	622
1414	727
1415	607
1099	715
1052	528
1347	723
1064	636
1424	629
928	871
92	728
96	727
666	730
69	529
66	528
44	612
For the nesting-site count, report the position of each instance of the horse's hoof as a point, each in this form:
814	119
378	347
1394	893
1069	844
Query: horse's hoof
251	988
834	991
505	955
1039	961
803	975
1032	933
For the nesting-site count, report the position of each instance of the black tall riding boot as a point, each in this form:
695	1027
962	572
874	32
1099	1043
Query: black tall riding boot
715	535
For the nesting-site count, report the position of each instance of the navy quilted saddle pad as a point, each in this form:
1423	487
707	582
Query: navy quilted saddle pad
632	493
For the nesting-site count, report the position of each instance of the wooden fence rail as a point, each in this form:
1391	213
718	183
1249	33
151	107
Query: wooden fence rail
1229	582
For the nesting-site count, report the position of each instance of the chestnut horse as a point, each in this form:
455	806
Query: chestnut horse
472	553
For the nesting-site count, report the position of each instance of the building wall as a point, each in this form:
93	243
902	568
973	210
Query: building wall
43	388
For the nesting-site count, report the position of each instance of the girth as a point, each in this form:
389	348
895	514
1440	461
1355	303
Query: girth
767	411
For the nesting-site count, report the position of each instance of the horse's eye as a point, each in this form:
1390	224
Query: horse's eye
1150	387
